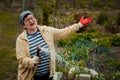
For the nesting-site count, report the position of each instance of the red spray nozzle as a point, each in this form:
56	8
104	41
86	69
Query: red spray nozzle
38	48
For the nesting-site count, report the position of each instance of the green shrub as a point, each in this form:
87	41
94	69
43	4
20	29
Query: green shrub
84	4
110	26
66	6
60	68
115	41
97	3
99	77
45	17
113	76
79	67
47	9
110	4
104	41
94	33
118	19
115	65
93	30
102	18
78	37
71	40
116	76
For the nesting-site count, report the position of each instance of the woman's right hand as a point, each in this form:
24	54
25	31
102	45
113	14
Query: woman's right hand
36	60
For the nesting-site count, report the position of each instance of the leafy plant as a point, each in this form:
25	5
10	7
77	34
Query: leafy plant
99	77
102	18
115	41
79	67
118	19
97	3
116	76
115	65
104	41
79	37
110	4
64	69
47	9
84	4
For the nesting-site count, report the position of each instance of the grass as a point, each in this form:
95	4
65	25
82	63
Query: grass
8	23
8	63
8	31
7	18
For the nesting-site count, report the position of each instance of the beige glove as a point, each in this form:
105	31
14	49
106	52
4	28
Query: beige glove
36	60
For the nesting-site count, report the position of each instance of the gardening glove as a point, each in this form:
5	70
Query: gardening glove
86	21
36	60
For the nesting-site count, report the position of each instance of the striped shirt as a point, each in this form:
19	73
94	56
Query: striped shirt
35	40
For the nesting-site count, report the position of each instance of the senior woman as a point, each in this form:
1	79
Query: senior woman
35	35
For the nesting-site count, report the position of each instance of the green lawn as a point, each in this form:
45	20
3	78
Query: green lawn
8	31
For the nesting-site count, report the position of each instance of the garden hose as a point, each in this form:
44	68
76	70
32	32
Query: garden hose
35	68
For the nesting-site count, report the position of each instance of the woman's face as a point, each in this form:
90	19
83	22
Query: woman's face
30	23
